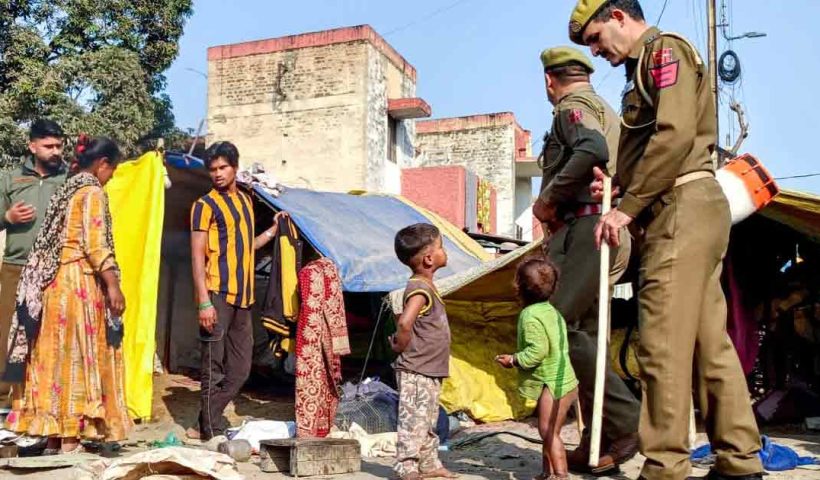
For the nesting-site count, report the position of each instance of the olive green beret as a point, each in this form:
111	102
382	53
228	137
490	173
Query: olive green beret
581	15
560	56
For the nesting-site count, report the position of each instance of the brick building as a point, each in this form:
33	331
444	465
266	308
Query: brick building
336	110
328	110
495	147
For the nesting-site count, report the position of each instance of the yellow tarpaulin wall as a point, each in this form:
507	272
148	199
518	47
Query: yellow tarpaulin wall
798	210
137	200
477	384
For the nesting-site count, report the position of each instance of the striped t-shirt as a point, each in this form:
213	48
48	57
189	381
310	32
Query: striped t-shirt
228	219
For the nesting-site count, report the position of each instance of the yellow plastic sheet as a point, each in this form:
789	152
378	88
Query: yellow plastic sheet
137	201
477	384
798	210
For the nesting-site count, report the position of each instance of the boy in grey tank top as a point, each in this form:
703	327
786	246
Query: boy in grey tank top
422	341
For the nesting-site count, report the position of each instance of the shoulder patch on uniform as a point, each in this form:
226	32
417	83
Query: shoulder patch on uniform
576	115
665	75
662	56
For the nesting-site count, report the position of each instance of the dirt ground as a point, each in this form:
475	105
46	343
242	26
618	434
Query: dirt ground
500	456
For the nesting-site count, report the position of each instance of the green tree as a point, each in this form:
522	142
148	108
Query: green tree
93	65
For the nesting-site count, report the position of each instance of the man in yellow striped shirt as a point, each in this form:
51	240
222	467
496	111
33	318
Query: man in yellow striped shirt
222	248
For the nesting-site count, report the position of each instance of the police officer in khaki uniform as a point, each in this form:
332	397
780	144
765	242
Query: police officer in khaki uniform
584	135
666	174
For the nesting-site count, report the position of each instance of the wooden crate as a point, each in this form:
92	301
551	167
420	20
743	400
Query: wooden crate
307	457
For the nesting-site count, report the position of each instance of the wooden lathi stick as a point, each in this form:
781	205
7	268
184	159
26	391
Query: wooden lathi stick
603	336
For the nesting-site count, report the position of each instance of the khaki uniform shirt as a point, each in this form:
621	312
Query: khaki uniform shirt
672	136
584	134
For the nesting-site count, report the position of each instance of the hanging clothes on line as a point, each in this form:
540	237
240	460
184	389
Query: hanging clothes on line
321	340
281	307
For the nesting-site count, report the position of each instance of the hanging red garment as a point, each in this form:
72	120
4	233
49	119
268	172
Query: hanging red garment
741	321
321	338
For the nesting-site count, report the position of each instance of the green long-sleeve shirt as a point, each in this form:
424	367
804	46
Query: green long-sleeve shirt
543	353
26	185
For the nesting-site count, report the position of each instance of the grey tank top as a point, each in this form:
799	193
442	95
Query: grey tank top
428	352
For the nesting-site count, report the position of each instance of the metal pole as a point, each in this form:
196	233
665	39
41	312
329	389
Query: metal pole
710	5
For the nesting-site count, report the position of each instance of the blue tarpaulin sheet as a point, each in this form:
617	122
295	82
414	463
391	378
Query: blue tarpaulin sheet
357	233
183	160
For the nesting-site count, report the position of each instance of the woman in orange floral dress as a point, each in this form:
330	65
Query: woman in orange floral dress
66	356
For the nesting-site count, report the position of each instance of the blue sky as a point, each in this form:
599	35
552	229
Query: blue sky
481	56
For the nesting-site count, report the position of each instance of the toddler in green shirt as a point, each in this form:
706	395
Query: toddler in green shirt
545	373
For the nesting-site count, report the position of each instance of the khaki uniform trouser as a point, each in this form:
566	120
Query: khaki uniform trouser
683	339
572	249
9	278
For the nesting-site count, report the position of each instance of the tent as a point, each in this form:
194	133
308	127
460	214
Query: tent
355	231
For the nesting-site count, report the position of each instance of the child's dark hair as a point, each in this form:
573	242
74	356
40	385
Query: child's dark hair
45	128
226	150
413	239
89	150
536	279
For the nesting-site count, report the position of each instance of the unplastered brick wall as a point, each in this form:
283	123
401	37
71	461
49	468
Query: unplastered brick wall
484	144
312	108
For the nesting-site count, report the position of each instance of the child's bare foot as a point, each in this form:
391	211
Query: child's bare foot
411	476
440	473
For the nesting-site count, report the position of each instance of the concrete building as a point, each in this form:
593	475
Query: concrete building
328	110
495	147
